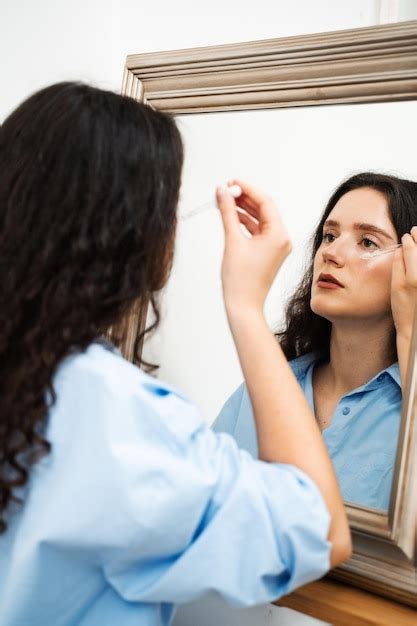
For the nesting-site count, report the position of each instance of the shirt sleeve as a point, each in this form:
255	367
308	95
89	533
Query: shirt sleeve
198	514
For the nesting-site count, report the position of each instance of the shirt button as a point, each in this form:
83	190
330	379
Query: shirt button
346	410
380	377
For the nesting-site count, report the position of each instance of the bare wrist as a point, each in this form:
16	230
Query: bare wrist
242	312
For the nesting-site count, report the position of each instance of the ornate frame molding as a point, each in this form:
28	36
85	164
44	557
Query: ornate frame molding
363	65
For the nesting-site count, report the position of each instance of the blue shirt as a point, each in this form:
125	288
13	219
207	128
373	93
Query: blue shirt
361	439
139	506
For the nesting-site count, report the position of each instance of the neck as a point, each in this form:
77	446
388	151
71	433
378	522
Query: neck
358	351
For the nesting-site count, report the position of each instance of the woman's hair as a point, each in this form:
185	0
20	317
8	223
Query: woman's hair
89	184
304	331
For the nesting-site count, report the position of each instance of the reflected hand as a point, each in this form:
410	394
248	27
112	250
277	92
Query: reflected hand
404	285
251	260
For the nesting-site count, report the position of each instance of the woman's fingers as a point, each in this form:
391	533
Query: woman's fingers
252	192
242	203
250	203
250	224
260	216
409	246
250	263
258	203
227	207
232	214
398	269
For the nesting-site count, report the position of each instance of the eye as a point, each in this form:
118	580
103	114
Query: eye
328	237
368	243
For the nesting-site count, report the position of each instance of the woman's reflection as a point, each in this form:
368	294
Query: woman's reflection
347	332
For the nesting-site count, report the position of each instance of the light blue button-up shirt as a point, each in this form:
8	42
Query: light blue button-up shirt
361	439
140	506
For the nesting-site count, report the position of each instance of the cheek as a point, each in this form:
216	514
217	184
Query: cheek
377	278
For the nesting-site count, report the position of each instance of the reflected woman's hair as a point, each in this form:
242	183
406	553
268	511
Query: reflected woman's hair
89	184
304	331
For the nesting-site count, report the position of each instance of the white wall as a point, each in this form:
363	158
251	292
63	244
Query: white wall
43	41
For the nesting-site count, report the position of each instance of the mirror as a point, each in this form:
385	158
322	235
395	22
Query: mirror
299	155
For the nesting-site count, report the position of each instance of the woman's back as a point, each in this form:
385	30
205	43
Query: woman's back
139	505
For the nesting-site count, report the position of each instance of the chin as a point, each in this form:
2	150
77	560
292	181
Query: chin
328	310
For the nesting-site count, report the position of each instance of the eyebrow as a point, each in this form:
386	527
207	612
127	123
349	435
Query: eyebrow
362	226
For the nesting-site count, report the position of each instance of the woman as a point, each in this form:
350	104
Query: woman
348	323
116	500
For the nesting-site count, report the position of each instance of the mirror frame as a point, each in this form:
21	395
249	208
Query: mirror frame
376	64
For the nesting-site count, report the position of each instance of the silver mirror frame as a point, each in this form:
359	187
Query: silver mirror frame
377	64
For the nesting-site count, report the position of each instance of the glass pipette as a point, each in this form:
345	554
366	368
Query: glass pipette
378	253
234	191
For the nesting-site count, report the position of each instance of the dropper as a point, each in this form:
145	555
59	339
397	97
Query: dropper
378	253
234	190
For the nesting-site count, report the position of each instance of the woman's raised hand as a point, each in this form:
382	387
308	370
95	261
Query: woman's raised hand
404	284
250	262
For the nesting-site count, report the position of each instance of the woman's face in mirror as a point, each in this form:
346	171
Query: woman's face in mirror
358	223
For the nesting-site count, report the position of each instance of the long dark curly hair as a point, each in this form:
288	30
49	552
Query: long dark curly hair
304	331
89	184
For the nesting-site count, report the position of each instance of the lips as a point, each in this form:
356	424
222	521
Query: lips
328	279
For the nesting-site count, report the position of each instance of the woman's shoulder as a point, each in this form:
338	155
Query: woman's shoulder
103	364
102	386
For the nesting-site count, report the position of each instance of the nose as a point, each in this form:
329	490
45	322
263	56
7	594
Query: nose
337	252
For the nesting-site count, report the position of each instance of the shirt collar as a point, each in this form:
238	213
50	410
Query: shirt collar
393	371
301	364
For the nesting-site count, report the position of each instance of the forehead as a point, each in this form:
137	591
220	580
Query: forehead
362	205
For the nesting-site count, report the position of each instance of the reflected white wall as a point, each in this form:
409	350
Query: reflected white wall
298	156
